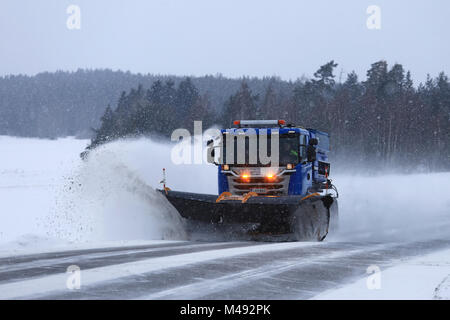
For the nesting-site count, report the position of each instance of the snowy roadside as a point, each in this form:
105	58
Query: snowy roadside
38	213
423	278
31	172
31	244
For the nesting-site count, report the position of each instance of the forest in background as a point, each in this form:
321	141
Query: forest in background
57	104
380	122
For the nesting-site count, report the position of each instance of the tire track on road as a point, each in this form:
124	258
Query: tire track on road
49	265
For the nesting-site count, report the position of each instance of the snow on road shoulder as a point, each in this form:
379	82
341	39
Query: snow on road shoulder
393	207
32	244
31	171
423	278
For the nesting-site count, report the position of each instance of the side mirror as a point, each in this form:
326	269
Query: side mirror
311	152
313	142
211	152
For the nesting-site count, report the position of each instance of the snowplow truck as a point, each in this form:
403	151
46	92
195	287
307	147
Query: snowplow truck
286	194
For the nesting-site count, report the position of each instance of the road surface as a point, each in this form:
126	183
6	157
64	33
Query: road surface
202	270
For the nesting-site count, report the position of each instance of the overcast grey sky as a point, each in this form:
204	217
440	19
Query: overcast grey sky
288	38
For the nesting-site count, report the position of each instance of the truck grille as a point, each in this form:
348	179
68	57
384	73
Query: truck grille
260	185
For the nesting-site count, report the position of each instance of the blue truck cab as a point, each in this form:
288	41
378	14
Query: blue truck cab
273	182
302	166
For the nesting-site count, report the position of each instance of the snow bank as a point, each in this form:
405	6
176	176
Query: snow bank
30	175
423	278
393	207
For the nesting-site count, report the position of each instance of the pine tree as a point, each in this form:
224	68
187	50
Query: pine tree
270	108
324	76
242	105
187	97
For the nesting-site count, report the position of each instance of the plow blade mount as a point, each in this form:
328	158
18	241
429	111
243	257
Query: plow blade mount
297	217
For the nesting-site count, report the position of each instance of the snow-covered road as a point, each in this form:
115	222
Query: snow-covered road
196	270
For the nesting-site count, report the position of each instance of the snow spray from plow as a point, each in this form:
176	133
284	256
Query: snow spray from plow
108	198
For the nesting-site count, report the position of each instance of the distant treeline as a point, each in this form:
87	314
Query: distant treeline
50	105
382	122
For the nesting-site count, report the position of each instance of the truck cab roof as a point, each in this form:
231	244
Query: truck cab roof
269	126
249	130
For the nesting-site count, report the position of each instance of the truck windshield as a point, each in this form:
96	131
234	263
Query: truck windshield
288	150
